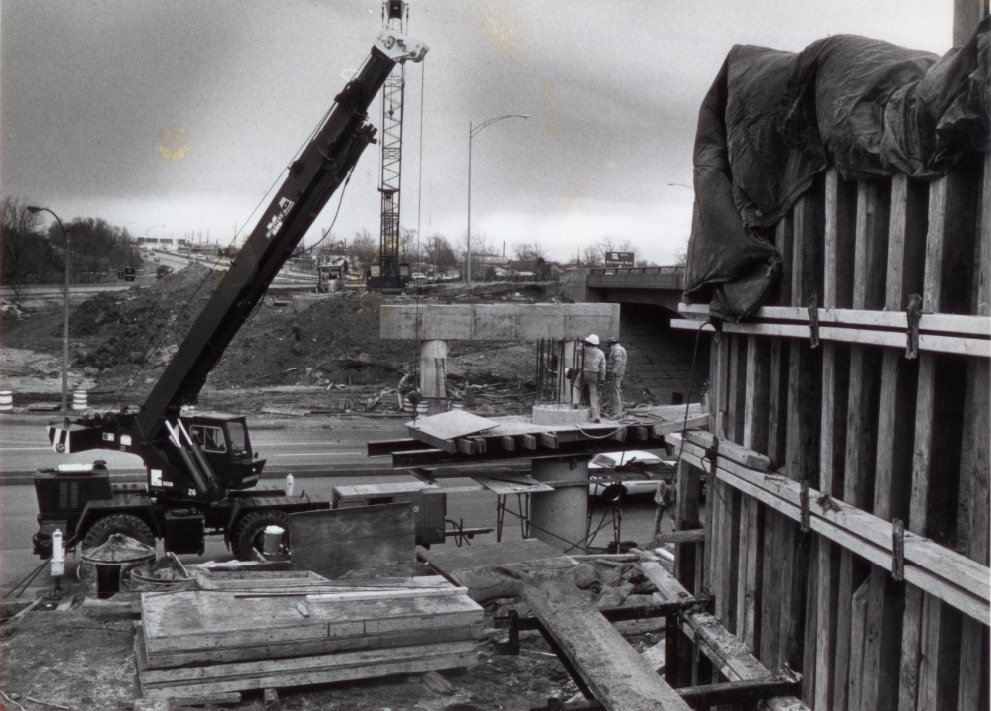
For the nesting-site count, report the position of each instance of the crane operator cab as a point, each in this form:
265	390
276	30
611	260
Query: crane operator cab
224	441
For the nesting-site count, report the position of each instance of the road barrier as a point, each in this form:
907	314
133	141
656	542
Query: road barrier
79	400
6	401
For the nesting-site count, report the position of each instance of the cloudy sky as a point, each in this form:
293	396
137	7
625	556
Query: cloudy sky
174	117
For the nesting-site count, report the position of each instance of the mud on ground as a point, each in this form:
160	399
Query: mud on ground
120	343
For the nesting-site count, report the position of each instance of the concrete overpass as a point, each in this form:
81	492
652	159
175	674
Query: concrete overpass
659	286
660	357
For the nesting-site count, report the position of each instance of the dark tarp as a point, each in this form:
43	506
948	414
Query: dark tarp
773	120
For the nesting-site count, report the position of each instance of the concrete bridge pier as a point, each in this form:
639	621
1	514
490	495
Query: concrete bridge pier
559	518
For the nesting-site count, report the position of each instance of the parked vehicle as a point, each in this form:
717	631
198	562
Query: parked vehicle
616	475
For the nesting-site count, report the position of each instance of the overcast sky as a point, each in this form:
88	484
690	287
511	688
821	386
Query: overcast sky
94	93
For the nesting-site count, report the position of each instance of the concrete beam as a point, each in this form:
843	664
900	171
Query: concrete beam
499	322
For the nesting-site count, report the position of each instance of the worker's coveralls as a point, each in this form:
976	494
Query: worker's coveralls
614	379
593	374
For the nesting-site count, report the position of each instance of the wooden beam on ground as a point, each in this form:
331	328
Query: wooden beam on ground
618	676
732	658
497	322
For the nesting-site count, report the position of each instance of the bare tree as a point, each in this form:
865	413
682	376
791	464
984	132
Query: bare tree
364	248
528	252
409	249
26	256
439	252
481	246
591	257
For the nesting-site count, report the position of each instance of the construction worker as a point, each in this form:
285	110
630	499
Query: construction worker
593	373
615	370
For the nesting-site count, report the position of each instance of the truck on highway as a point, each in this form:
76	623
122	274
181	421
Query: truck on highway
201	469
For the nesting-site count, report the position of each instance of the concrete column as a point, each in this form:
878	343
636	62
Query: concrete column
433	372
561	514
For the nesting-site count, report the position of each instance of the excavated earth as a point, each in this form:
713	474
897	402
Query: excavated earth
301	353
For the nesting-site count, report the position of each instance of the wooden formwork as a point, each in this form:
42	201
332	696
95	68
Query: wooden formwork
863	439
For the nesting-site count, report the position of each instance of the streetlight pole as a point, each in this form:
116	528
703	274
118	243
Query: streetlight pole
472	132
65	322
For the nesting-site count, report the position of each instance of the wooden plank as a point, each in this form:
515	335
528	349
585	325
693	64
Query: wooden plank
841	221
319	669
728	654
336	541
973	520
959	325
731	451
955	579
896	406
802	427
497	322
310	647
191	621
928	342
858	625
687	519
618	676
862	415
439	430
947	289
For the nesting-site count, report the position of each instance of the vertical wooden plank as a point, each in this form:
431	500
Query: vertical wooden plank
862	402
930	632
841	196
728	532
687	513
858	624
770	609
899	376
802	436
751	512
975	470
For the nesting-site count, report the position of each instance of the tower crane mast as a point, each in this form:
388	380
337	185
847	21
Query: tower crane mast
389	273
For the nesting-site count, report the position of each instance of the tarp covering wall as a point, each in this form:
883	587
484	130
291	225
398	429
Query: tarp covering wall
772	120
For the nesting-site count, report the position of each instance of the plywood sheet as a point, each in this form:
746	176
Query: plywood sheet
333	542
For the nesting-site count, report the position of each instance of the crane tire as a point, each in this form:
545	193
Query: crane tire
248	532
130	525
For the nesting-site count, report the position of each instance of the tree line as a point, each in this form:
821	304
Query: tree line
33	253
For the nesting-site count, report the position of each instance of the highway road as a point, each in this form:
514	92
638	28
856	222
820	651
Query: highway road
330	445
321	457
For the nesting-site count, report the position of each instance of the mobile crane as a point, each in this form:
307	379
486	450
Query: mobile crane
200	468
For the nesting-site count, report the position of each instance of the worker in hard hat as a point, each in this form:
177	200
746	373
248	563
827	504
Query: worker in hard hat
615	370
593	373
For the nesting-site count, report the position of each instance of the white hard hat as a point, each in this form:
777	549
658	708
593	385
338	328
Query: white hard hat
593	339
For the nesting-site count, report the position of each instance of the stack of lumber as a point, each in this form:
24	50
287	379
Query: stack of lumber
301	631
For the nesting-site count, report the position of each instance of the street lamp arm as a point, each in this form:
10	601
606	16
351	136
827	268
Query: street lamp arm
65	321
476	129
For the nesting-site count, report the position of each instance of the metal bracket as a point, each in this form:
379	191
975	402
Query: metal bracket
897	549
913	312
805	505
813	322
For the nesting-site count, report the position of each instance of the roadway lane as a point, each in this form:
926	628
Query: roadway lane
303	446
